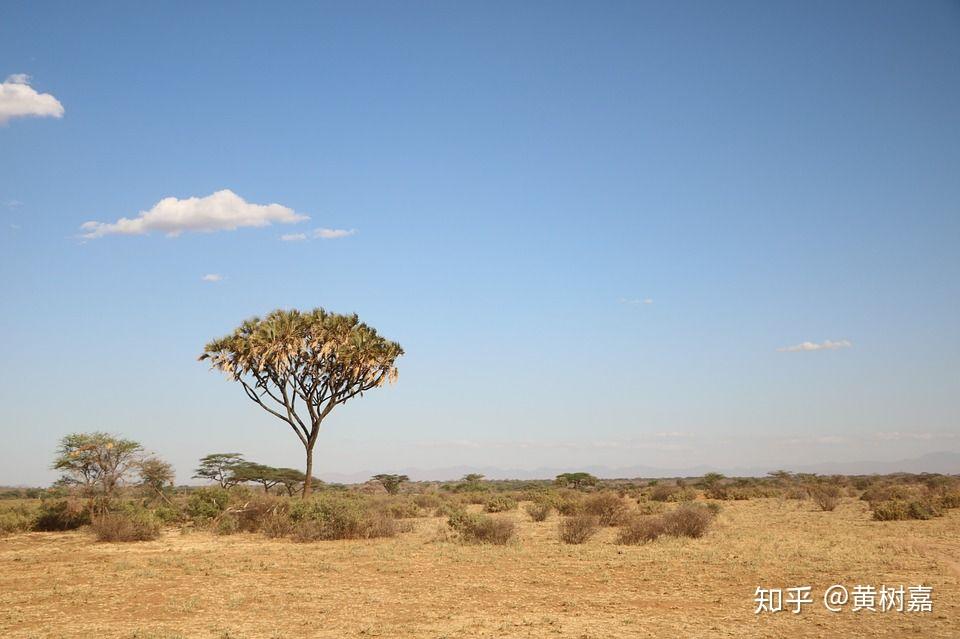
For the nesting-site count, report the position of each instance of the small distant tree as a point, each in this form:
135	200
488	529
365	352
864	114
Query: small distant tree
156	475
96	462
576	480
390	482
257	473
219	467
300	366
292	479
710	480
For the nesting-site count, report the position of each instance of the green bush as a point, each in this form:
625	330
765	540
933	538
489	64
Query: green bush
227	524
62	514
339	516
207	503
899	509
476	528
499	504
538	511
577	529
402	508
129	524
16	519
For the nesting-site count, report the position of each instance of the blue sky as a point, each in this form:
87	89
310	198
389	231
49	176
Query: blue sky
593	227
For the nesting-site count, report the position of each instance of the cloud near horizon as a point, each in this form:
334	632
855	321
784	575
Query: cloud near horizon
20	100
221	211
828	345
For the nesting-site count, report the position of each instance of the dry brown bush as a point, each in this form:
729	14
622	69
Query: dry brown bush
126	526
687	520
639	529
577	529
607	507
826	496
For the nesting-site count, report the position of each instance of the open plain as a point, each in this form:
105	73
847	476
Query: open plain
422	584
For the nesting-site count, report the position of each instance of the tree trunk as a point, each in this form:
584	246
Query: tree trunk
308	480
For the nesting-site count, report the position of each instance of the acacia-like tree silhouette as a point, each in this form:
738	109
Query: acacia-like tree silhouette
298	366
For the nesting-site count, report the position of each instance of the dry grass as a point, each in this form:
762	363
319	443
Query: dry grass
245	586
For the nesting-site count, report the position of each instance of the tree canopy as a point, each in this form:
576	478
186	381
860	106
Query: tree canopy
576	480
218	467
298	366
390	482
97	462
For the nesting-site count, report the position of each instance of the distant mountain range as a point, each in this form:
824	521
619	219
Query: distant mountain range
942	462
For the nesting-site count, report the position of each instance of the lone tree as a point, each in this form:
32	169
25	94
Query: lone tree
390	482
576	480
96	462
219	467
299	366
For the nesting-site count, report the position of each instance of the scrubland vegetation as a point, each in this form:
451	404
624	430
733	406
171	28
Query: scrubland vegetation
473	557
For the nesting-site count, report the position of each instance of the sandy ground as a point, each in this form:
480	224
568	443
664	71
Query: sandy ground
416	585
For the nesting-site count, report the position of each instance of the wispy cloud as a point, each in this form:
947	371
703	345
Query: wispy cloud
896	436
293	237
636	301
20	100
333	234
212	277
221	211
828	345
13	204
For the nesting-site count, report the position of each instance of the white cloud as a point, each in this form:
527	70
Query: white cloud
212	277
20	100
332	234
635	301
12	204
222	211
813	346
293	237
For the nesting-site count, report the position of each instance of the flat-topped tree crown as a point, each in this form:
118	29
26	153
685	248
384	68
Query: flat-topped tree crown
299	365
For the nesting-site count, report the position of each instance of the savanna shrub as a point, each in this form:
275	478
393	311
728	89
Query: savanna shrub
577	529
129	524
400	507
339	516
227	524
607	507
683	494
167	513
539	511
62	514
499	504
687	520
899	509
476	528
252	514
663	492
207	503
427	501
645	507
16	519
639	530
826	496
950	499
568	502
